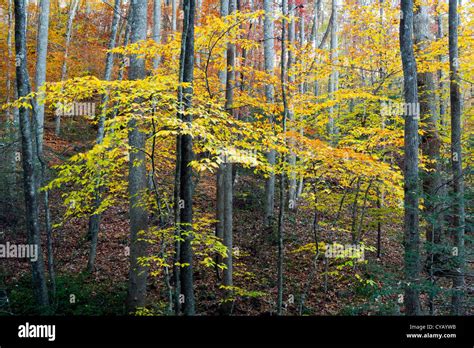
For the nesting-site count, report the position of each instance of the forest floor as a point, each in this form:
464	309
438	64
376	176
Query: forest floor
330	289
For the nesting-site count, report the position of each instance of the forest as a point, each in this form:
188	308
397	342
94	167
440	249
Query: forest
236	157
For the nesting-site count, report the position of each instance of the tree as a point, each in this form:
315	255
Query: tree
411	235
334	78
281	214
430	146
220	189
156	28
94	220
227	170
269	56
456	161
42	50
29	174
137	171
72	14
186	156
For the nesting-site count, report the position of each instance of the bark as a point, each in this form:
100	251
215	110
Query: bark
281	214
137	172
42	48
70	21
156	28
10	119
174	15
430	147
220	205
334	77
94	220
29	174
228	181
411	228
187	155
291	116
269	56
41	53
456	163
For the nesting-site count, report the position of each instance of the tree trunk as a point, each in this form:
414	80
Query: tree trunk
281	214
291	116
174	15
94	220
228	182
70	21
412	237
269	56
29	175
156	28
187	155
456	163
137	172
220	191
334	77
41	53
430	147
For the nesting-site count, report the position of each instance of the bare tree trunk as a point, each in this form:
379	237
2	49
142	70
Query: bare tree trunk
228	182
156	28
174	15
456	162
430	146
29	175
220	191
269	55
291	115
281	215
10	118
334	77
42	49
441	75
412	237
41	53
94	220
187	155
72	14
137	172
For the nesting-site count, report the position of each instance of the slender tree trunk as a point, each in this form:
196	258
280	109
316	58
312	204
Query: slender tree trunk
187	155
174	15
94	220
456	163
314	34
269	56
412	237
10	118
42	49
41	53
291	115
220	191
228	182
29	175
334	77
281	215
137	172
156	28
70	21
